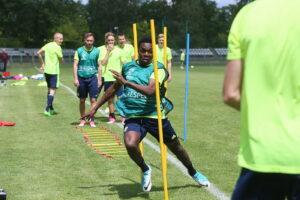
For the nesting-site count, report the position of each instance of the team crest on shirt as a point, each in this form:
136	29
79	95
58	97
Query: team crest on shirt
83	56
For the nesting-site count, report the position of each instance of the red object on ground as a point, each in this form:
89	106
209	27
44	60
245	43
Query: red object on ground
4	123
6	73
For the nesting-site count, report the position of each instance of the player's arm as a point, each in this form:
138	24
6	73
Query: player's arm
110	92
75	72
99	73
109	48
40	55
232	83
169	63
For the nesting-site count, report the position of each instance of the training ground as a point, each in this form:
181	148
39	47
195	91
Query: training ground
45	158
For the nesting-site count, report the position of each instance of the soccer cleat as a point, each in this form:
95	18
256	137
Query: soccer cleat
111	120
201	179
47	113
82	123
53	112
92	124
146	180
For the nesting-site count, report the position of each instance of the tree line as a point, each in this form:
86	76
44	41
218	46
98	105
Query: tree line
31	23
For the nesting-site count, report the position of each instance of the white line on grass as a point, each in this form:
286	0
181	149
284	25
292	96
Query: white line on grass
212	189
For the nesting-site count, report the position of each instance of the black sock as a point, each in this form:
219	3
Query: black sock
191	170
50	98
143	166
112	115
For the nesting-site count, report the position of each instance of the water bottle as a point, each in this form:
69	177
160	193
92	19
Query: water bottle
2	194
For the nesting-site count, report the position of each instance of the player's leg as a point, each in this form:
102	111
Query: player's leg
110	102
133	134
82	91
52	86
93	93
172	142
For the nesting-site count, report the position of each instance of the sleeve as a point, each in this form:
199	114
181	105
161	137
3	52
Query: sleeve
169	54
59	53
102	53
161	75
76	57
234	42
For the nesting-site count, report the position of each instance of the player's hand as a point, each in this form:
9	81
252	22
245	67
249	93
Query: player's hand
170	78
110	47
89	115
42	67
99	83
76	83
118	76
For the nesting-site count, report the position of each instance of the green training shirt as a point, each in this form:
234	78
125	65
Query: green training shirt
128	51
87	61
115	59
53	53
267	42
160	54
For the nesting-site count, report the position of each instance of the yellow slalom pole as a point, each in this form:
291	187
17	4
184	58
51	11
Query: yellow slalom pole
161	139
166	84
135	42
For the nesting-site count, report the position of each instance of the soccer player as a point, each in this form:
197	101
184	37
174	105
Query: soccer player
111	57
160	54
138	105
53	55
262	80
87	74
182	59
127	49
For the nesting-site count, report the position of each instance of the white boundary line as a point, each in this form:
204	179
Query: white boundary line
212	189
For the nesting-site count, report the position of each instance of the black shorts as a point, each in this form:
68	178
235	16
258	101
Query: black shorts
107	84
267	186
88	86
144	125
52	80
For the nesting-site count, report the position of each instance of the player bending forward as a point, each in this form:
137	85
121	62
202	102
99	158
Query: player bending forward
138	105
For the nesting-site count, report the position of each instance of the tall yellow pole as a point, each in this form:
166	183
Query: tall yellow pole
135	58
135	42
161	139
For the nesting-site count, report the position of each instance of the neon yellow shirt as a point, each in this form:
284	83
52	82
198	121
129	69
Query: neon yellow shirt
128	51
53	53
266	40
160	54
115	59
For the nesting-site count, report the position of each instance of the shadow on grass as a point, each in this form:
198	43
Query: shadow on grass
97	120
133	189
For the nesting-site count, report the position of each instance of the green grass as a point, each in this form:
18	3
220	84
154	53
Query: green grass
47	158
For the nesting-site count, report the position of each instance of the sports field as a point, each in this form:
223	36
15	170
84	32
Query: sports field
48	158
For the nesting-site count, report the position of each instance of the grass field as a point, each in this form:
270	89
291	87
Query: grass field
47	158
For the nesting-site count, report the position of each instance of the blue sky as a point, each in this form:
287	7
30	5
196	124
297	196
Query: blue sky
220	3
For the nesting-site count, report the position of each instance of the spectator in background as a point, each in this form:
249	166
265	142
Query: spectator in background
262	80
4	59
160	54
53	54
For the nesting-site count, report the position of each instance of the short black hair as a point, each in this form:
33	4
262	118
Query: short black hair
144	39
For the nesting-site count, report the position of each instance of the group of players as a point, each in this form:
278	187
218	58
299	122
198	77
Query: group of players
114	68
